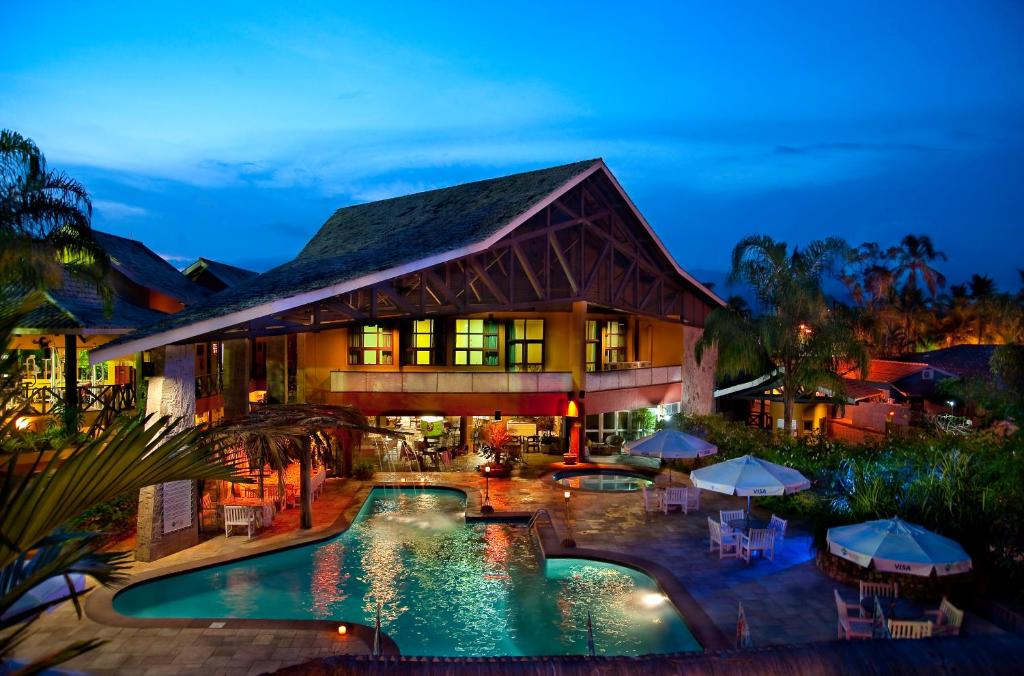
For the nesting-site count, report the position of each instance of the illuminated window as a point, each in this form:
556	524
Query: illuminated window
370	345
593	345
526	345
420	342
476	342
614	342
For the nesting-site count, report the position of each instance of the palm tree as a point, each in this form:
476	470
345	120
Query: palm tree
913	258
983	294
282	434
799	337
40	493
45	221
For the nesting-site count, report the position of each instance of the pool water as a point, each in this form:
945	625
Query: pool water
602	480
446	588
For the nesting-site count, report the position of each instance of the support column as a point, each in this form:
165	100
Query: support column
168	518
277	369
465	436
236	377
302	362
698	386
72	414
575	433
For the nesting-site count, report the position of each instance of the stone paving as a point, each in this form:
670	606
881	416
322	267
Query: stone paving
787	600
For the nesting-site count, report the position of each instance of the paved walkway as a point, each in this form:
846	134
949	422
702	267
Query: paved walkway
786	600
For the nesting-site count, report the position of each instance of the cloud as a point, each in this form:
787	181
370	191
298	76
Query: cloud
118	210
851	147
175	258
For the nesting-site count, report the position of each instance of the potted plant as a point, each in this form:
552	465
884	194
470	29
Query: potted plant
551	444
496	437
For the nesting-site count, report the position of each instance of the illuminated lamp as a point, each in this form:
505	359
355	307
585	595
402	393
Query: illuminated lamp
571	409
342	630
22	423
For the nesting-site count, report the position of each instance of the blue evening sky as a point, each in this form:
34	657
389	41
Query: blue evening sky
234	130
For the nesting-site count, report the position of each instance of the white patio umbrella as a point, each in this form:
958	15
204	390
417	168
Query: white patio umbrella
749	476
896	546
672	445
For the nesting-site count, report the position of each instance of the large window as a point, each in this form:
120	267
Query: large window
420	342
476	342
526	345
370	345
593	345
615	342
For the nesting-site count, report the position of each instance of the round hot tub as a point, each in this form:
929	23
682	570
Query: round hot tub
607	480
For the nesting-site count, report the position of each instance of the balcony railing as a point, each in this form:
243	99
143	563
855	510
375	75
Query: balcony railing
446	381
209	384
633	377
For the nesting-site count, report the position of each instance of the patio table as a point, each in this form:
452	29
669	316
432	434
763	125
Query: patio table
747	524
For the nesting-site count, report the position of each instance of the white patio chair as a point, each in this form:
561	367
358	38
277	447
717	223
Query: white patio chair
948	619
885	590
757	540
235	515
851	625
727	515
910	629
651	498
779	526
692	500
674	496
725	542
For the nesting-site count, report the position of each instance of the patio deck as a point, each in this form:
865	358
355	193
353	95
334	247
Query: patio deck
787	601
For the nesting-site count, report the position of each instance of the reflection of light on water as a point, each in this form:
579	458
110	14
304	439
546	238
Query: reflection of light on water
326	585
653	600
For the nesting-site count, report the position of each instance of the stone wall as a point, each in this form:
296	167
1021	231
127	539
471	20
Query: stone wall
172	393
698	380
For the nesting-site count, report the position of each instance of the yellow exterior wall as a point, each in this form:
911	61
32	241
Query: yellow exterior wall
813	412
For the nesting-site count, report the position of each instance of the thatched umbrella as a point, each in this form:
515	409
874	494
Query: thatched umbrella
281	434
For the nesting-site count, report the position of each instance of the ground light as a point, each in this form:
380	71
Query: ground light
487	508
568	541
342	630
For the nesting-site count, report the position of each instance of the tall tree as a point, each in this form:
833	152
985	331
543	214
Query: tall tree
914	258
983	295
799	336
45	221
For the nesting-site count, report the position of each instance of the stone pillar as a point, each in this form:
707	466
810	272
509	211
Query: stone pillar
277	370
171	392
698	384
236	377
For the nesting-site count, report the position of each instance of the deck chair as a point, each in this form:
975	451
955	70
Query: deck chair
235	515
757	540
727	515
691	502
851	625
884	590
651	498
674	496
910	629
948	619
726	543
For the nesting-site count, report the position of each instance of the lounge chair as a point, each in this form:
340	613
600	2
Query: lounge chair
726	543
948	619
757	540
235	515
910	629
851	625
779	526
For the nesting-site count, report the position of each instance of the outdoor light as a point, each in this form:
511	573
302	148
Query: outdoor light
653	600
572	410
22	423
568	541
342	629
567	495
486	508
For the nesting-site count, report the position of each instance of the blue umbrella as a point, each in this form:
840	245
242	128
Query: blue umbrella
749	476
671	444
895	546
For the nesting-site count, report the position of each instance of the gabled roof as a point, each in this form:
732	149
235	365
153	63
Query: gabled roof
76	307
368	243
959	360
140	264
856	390
228	275
891	371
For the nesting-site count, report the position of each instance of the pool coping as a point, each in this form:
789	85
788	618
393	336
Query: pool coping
99	605
548	477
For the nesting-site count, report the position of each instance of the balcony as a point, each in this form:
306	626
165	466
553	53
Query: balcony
629	377
445	382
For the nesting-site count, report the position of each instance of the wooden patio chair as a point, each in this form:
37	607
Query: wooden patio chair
910	629
948	619
674	496
757	540
883	590
726	543
779	526
651	498
235	515
851	625
691	501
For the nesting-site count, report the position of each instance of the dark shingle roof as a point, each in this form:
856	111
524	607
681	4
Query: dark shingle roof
77	305
140	264
228	275
960	360
359	240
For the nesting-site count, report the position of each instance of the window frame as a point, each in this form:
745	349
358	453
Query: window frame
511	342
357	348
490	355
608	348
411	351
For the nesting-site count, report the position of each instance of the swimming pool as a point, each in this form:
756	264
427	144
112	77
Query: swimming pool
614	480
446	588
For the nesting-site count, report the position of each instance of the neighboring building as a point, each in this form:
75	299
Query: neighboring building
74	318
215	276
528	297
960	360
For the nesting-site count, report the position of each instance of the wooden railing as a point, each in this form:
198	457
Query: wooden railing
208	385
108	400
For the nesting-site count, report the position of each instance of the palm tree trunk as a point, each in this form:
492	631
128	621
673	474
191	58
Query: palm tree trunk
787	411
282	489
305	486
